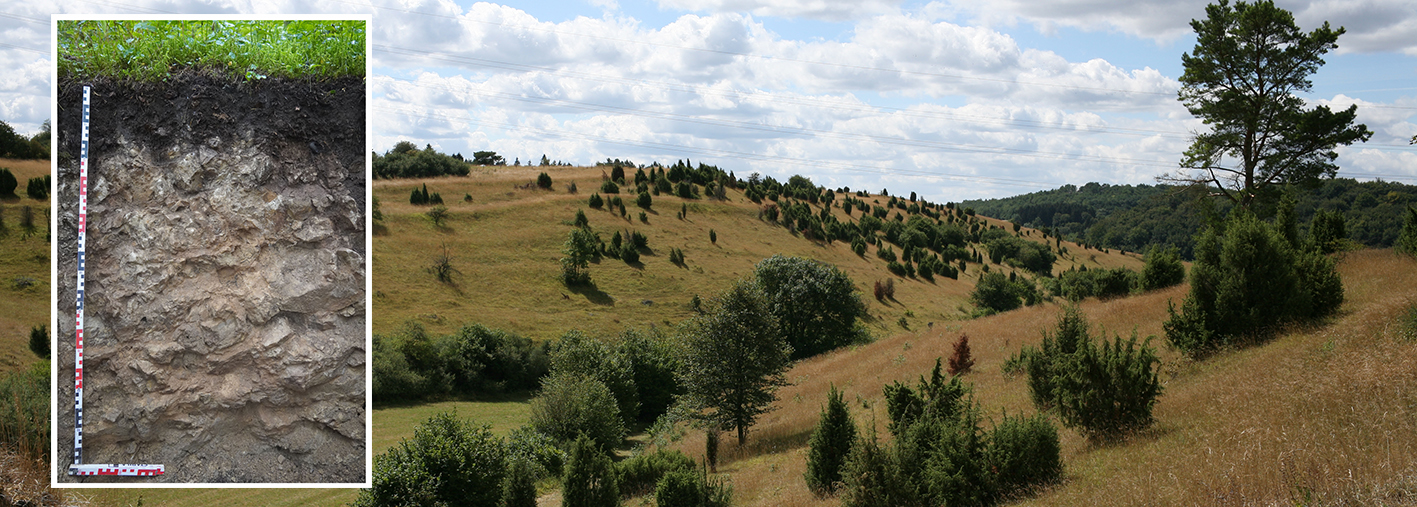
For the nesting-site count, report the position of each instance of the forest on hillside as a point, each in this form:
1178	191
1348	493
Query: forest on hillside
1135	217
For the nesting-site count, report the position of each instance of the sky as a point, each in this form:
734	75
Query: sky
952	99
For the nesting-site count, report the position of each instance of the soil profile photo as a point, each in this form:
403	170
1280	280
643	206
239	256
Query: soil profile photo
225	263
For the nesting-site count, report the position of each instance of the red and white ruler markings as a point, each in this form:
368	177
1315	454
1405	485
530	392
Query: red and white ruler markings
78	467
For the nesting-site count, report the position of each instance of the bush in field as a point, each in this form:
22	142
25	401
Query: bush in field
690	488
1105	392
571	405
816	304
447	462
651	356
590	477
520	487
543	453
1407	240
596	201
639	474
1248	279
609	187
577	354
942	457
1024	452
830	444
7	182
543	180
1163	268
1326	232
38	188
581	246
961	361
39	341
995	293
644	200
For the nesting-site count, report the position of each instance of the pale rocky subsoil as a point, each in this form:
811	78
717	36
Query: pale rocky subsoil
225	303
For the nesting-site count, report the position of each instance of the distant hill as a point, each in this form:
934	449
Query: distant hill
504	236
1133	218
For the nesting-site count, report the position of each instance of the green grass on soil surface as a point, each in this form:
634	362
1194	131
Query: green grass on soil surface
153	50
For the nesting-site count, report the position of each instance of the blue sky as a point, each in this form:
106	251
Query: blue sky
954	99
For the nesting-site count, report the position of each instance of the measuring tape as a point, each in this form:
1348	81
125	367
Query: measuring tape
78	467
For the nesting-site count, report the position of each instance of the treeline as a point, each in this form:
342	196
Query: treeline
13	145
1133	218
407	161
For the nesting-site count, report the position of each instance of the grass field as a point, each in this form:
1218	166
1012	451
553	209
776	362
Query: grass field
506	243
1327	414
392	424
22	260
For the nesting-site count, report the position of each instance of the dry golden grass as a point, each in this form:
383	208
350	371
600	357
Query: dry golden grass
1324	414
507	241
25	481
24	170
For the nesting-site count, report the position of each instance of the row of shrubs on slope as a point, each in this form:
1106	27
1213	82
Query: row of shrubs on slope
1133	218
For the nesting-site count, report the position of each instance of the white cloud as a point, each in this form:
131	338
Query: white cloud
1373	25
825	10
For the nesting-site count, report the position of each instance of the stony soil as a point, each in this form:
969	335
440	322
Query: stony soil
225	276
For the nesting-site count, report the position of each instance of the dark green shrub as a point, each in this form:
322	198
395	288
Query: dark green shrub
713	237
1163	268
1407	240
7	182
577	354
581	246
1024	452
651	356
816	304
886	254
38	188
543	453
684	190
1246	281
590	477
1326	231
520	488
571	405
639	474
596	201
873	478
1106	392
995	293
543	180
896	268
617	174
830	445
629	253
609	187
39	341
581	220
692	488
644	200
447	462
858	245
393	378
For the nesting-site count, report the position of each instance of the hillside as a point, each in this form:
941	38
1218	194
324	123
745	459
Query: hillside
1133	217
505	244
1327	413
24	269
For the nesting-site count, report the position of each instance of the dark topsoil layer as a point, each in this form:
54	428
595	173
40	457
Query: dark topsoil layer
322	116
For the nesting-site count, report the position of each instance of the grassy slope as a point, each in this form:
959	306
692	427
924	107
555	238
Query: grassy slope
506	244
27	307
1331	409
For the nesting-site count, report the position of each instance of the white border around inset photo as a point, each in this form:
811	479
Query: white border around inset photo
140	482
